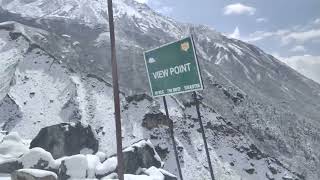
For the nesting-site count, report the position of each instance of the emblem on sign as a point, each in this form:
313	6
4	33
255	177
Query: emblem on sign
185	46
152	60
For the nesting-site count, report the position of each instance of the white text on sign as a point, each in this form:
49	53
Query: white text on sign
176	70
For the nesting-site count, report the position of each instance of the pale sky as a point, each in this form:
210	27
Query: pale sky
287	29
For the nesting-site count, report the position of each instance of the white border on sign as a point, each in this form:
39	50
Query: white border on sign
145	62
197	66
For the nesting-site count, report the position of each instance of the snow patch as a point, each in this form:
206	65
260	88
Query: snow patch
12	147
38	173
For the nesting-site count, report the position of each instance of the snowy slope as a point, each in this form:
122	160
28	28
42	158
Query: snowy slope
57	70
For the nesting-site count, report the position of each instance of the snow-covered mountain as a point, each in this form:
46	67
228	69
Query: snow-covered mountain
262	117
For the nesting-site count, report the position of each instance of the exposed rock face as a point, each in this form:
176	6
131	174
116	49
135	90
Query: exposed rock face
66	139
33	174
151	121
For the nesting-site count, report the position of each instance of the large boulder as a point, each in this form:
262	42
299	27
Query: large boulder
38	158
66	140
79	167
136	157
33	174
73	167
140	155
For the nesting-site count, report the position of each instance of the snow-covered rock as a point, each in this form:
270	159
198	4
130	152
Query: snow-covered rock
66	139
140	155
38	158
108	167
74	167
33	174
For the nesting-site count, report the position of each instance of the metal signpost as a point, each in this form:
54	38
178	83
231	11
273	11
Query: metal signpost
172	69
120	166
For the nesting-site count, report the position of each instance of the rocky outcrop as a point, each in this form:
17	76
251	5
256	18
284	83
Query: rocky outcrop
151	121
66	139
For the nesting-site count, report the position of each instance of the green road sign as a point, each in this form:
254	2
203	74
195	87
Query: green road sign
173	68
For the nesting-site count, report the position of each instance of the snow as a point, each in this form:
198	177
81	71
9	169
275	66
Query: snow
134	177
76	43
38	173
122	8
36	85
102	156
31	158
86	151
107	166
2	43
12	147
8	62
89	12
155	173
236	48
219	45
219	60
76	166
93	162
5	176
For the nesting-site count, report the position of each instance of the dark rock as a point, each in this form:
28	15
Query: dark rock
32	94
255	153
10	166
138	97
151	121
63	171
66	139
272	169
140	155
33	174
240	95
269	176
250	170
162	151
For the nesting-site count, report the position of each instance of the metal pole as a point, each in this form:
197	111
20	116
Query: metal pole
172	137
116	97
203	134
